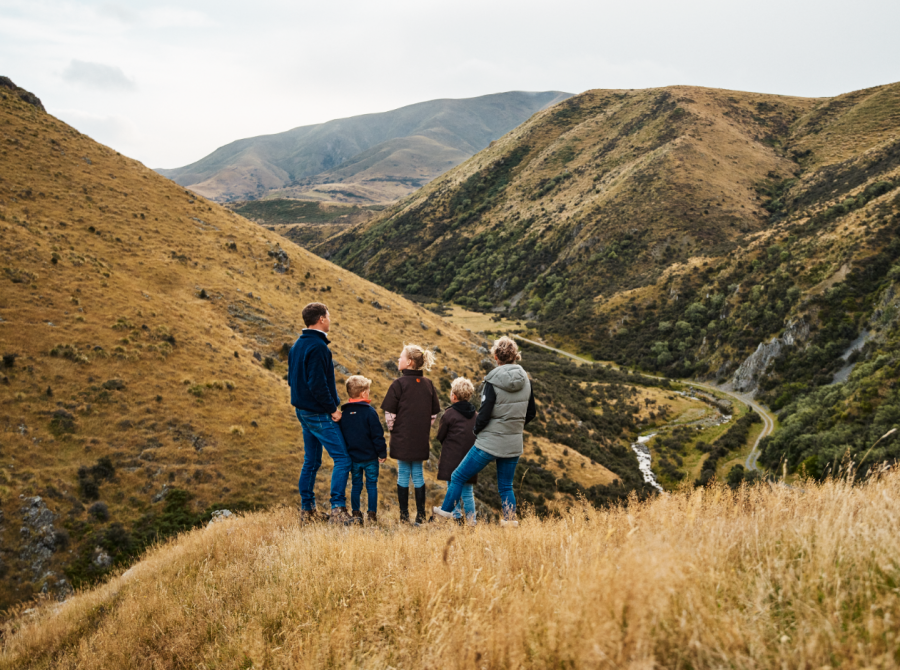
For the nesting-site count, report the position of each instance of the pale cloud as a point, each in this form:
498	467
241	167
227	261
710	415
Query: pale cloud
118	11
175	17
97	75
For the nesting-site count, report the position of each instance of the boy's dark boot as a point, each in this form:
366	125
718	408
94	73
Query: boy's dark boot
372	518
403	503
357	516
420	505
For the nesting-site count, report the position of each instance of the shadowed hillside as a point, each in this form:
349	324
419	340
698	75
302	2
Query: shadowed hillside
743	238
373	158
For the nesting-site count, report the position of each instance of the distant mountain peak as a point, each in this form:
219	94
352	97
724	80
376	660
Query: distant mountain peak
371	158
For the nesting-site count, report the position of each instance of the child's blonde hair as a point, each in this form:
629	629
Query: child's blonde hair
506	350
462	388
420	357
356	385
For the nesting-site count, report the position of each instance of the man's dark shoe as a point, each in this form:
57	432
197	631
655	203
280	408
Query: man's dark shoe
420	505
312	516
357	517
403	503
372	518
339	516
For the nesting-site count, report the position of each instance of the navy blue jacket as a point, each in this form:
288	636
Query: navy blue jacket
311	374
362	432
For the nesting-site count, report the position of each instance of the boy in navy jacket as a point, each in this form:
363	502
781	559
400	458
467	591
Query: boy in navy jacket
364	436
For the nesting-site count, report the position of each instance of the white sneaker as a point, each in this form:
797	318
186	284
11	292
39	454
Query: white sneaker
441	515
509	524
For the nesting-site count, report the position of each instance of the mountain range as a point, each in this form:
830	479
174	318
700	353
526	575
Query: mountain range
372	158
742	238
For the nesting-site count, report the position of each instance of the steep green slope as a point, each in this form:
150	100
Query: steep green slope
367	150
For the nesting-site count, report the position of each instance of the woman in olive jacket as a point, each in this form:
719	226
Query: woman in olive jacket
457	436
507	404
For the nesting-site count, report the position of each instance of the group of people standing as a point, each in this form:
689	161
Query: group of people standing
354	437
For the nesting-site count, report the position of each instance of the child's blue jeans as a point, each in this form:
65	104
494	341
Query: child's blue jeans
407	470
468	503
357	470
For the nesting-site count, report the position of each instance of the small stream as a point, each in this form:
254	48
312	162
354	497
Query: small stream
642	451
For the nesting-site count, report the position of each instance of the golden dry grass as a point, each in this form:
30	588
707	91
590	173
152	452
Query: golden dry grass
761	577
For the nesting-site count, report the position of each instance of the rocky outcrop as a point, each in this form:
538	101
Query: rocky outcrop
746	378
27	96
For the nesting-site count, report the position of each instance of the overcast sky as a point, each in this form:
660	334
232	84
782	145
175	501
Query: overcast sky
168	83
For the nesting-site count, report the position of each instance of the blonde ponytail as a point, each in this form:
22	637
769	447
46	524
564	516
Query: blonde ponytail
420	357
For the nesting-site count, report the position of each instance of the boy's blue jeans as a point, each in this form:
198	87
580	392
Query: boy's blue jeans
474	462
468	502
370	469
407	470
320	431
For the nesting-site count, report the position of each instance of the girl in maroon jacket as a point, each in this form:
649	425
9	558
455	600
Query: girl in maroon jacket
410	408
457	437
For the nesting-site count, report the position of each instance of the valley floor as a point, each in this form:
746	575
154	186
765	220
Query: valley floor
766	576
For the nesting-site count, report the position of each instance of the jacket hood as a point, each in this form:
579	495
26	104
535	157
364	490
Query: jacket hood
510	377
465	408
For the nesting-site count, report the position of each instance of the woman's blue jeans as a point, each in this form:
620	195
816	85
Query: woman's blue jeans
407	470
320	431
474	462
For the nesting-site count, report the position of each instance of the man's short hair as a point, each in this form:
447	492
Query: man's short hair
313	312
356	384
462	388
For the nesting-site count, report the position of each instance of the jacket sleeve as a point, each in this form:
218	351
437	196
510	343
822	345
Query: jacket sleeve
488	398
391	402
318	381
531	412
444	427
376	434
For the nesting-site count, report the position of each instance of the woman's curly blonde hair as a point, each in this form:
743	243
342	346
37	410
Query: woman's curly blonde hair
506	350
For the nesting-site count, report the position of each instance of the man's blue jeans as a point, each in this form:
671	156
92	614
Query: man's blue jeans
474	462
357	470
320	431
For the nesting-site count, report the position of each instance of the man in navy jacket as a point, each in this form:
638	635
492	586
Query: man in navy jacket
316	402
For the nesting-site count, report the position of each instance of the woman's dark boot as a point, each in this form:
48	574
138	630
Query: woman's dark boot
403	503
420	505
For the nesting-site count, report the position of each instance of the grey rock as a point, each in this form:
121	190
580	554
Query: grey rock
39	536
101	559
114	385
220	515
340	368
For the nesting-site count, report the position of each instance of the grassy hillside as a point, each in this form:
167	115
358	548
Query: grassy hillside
361	159
761	577
143	333
677	230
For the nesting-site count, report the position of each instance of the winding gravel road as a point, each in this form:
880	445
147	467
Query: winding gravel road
768	420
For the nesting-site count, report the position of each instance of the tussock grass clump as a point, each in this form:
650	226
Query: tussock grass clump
758	577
